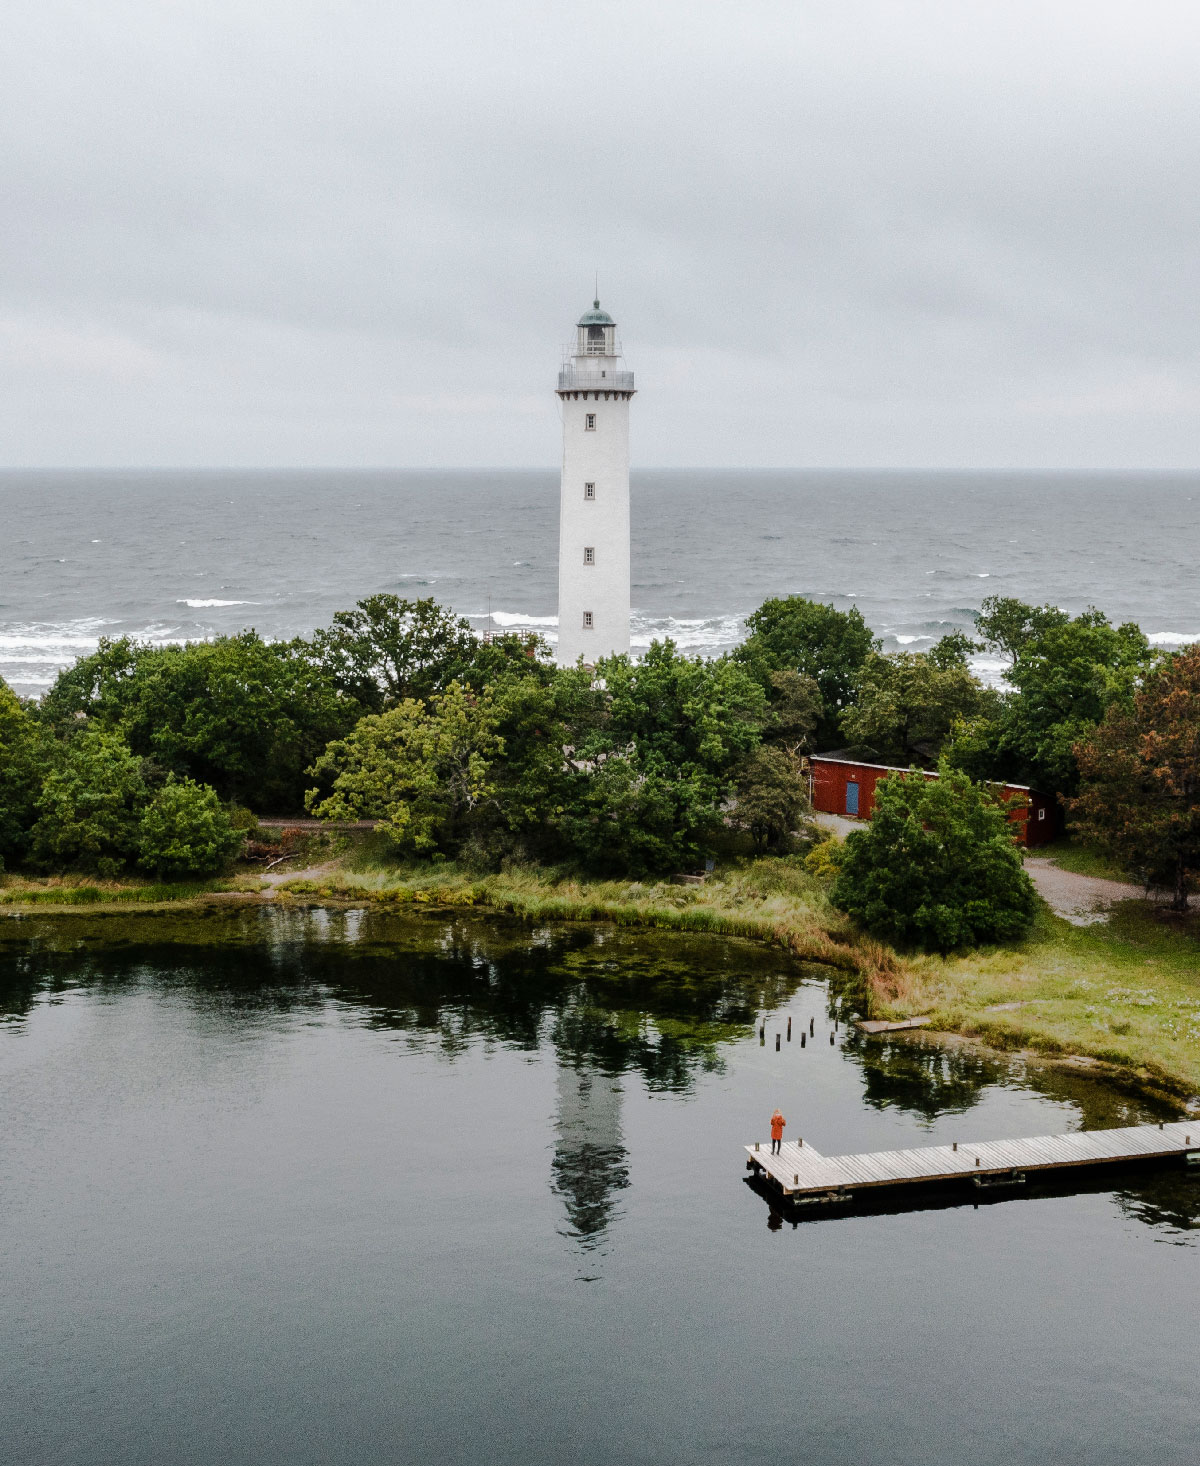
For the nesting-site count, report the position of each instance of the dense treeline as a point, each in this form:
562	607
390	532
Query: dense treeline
482	749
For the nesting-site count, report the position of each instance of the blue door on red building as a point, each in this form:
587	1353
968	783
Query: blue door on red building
851	798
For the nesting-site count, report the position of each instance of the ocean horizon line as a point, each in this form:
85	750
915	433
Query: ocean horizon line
553	468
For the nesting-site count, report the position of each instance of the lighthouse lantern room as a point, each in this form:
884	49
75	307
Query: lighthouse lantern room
593	546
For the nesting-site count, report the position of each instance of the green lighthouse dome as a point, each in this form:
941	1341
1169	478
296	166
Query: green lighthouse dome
595	317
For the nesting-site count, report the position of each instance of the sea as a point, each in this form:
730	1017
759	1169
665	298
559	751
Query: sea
176	555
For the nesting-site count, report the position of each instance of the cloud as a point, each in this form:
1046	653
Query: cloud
877	233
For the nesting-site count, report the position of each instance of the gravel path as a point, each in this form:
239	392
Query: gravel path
1083	900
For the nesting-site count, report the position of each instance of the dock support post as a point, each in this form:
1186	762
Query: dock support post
776	1043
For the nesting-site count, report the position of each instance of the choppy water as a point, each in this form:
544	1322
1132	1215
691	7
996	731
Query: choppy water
314	1188
174	555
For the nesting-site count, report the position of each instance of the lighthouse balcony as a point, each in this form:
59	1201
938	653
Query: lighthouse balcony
594	378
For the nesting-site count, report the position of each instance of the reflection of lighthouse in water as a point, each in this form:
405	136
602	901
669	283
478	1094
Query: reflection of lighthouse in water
589	1158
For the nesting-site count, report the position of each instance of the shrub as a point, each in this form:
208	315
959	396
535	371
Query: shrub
936	867
185	830
89	805
825	860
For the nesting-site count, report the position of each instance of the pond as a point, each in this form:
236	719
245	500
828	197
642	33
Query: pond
311	1186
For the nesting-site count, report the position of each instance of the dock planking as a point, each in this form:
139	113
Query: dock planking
802	1174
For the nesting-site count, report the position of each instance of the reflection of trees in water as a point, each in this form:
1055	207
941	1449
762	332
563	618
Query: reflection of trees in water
1168	1200
932	1077
923	1078
609	1002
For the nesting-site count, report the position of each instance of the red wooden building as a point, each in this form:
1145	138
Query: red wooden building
846	786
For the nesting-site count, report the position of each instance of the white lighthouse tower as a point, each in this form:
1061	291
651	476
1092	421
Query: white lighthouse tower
593	541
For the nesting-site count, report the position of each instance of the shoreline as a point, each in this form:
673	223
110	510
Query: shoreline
1066	995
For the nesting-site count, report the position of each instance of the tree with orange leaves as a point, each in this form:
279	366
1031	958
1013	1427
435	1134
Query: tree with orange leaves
1140	788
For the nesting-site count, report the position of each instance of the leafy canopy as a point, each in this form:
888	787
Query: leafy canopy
1139	791
772	800
24	752
907	704
388	649
654	751
423	771
243	715
793	634
1066	673
90	805
936	867
185	831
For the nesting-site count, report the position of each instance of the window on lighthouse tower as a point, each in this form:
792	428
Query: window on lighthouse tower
589	423
589	554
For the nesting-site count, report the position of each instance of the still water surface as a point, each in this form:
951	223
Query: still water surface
291	1187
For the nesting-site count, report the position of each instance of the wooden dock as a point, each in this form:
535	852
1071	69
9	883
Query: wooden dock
802	1175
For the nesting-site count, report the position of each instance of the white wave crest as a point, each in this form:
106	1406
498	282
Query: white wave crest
1173	638
203	605
515	618
691	634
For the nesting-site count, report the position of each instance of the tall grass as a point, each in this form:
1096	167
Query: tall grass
55	895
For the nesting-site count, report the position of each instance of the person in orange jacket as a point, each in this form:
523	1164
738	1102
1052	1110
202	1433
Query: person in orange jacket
777	1124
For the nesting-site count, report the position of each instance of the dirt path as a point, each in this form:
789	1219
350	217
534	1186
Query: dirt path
1083	900
281	873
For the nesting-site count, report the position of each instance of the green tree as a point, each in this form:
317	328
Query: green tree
936	867
1009	626
794	711
23	760
90	805
388	649
1066	673
771	797
681	712
626	819
907	704
534	719
240	714
1139	792
507	655
793	634
423	771
185	830
654	747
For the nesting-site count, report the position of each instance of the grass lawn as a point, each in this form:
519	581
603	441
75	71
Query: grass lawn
1126	990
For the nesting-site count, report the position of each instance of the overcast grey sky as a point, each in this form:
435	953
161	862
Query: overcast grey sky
833	234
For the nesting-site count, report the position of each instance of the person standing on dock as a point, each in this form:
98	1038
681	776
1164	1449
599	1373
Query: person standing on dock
777	1124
